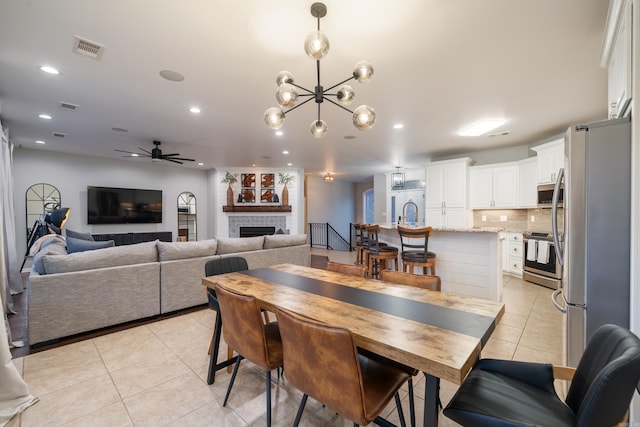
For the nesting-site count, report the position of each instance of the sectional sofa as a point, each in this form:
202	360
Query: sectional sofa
71	293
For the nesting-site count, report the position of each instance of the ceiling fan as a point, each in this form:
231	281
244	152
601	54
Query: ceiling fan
156	154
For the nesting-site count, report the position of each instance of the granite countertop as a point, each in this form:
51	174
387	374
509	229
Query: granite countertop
452	229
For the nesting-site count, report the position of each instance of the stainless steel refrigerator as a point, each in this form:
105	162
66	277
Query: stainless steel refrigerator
594	248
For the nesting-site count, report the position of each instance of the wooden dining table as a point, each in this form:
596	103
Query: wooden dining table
437	333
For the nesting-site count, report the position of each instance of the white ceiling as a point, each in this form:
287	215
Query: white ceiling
440	65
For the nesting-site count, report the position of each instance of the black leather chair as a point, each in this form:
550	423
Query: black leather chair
211	268
512	393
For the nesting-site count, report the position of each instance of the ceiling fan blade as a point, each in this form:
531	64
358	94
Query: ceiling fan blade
171	160
171	155
124	151
146	151
180	158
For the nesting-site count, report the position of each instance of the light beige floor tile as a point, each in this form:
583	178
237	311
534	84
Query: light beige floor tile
208	415
191	344
143	351
497	348
122	339
507	333
532	354
541	341
114	415
513	319
15	421
82	350
71	403
169	401
173	324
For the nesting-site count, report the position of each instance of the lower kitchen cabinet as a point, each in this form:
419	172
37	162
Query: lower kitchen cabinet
512	253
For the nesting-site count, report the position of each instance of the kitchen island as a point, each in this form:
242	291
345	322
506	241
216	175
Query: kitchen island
468	260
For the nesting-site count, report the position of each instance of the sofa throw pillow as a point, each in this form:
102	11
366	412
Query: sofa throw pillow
228	245
56	246
79	235
282	240
80	245
168	251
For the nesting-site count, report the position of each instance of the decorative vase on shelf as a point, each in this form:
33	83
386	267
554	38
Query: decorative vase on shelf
285	196
229	196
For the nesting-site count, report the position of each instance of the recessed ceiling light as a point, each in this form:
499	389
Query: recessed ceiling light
171	75
398	126
279	133
200	164
50	70
289	164
134	154
482	127
120	130
350	137
45	116
40	142
285	152
194	110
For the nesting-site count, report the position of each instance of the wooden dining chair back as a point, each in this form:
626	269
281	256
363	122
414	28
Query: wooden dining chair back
350	269
323	362
432	283
379	254
415	249
214	267
361	242
245	331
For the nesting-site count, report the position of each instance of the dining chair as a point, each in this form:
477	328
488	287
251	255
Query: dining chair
323	362
245	331
350	269
214	267
414	252
379	254
433	283
514	393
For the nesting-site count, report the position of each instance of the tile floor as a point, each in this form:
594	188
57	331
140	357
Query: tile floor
155	374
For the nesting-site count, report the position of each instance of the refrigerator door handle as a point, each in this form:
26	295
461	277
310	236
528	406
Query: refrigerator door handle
554	217
554	300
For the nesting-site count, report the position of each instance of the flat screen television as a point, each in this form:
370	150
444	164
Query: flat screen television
106	205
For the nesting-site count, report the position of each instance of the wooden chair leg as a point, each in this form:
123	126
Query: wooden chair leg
229	356
210	346
433	268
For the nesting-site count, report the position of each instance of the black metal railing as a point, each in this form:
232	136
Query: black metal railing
322	234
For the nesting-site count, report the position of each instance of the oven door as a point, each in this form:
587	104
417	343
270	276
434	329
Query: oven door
551	269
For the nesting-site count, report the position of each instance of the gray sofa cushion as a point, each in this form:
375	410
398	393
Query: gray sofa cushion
80	245
282	240
79	235
227	245
100	258
168	251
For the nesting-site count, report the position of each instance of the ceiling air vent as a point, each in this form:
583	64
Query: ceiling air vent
59	134
68	106
88	48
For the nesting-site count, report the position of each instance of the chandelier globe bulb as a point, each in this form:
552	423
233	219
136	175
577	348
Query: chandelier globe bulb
363	71
286	95
364	117
319	128
284	77
345	94
316	45
274	118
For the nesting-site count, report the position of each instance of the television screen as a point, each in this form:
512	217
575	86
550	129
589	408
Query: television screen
107	205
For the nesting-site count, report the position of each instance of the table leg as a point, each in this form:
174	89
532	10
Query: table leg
431	399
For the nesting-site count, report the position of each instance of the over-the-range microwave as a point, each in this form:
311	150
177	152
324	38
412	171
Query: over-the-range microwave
545	195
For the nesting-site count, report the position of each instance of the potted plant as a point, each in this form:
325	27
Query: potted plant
230	178
285	178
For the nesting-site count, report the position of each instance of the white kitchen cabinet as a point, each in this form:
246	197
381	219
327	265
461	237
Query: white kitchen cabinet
446	193
528	183
512	253
493	186
550	160
616	57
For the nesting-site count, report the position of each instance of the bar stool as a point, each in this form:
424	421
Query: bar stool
379	253
361	242
415	254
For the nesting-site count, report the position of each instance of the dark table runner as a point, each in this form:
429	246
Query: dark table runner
451	319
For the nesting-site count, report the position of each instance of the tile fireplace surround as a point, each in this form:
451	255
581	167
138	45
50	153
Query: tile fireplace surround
235	222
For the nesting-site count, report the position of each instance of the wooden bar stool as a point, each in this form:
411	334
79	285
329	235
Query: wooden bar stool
379	253
415	243
361	242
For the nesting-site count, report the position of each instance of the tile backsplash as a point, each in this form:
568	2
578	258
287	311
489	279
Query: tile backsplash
516	219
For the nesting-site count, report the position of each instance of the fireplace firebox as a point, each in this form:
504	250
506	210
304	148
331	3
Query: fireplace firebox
256	231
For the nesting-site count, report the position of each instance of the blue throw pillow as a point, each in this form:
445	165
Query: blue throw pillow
79	235
79	245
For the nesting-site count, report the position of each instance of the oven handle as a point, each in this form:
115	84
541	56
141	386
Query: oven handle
554	300
554	217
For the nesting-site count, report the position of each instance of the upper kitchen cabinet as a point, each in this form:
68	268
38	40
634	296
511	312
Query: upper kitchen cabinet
493	186
446	193
528	183
616	57
550	160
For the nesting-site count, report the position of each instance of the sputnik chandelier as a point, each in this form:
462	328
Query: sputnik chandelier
316	45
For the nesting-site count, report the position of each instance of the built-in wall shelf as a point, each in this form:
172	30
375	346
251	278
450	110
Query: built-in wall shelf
256	208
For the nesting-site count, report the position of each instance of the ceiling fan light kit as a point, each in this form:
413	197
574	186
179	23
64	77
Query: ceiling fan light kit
316	46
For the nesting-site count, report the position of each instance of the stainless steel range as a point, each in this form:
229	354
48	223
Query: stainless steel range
540	263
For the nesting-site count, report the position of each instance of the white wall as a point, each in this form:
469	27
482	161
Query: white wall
381	184
71	174
361	188
332	202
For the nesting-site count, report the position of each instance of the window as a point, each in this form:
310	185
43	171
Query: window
369	211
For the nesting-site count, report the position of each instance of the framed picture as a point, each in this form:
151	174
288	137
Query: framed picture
248	180
267	180
248	195
266	195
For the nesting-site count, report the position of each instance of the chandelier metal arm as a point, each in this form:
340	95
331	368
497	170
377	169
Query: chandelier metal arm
334	103
338	84
299	105
303	88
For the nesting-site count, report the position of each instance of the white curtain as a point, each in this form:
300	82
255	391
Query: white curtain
14	393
